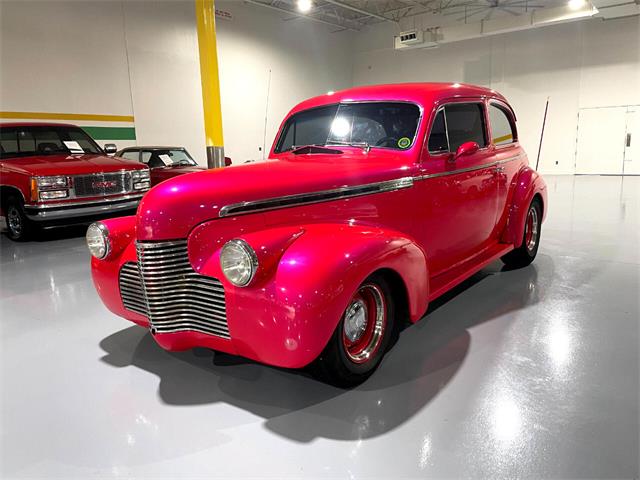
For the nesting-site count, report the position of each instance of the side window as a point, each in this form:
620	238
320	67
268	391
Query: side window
131	155
146	155
26	141
502	130
465	123
8	141
438	142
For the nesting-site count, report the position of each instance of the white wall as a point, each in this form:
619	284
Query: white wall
141	59
578	65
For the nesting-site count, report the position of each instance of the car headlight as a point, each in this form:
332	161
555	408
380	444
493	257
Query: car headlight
98	240
140	175
238	262
51	182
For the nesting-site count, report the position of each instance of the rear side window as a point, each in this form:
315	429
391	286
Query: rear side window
465	123
131	155
502	129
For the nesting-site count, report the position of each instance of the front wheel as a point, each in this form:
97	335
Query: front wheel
362	336
18	225
526	253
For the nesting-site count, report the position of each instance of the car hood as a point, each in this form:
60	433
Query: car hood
69	164
171	209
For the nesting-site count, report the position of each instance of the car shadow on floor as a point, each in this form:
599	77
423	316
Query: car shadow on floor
423	362
48	234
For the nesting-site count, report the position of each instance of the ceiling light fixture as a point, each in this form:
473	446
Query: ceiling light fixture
304	5
576	4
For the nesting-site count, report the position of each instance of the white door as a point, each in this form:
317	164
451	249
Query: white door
632	142
601	141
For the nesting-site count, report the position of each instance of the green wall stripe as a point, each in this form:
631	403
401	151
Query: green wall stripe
111	133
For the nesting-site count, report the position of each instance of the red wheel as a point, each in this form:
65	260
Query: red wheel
364	323
362	336
525	253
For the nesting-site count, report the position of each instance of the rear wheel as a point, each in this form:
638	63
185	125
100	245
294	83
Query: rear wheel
526	253
18	225
362	336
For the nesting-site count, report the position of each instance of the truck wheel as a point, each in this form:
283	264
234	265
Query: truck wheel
524	255
18	225
362	336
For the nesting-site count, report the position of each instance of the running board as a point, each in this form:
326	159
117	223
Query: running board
447	280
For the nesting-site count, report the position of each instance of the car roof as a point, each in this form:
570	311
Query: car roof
36	124
423	94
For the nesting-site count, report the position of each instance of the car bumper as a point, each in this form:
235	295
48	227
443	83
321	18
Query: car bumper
56	211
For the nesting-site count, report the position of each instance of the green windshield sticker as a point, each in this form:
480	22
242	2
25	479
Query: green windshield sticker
404	142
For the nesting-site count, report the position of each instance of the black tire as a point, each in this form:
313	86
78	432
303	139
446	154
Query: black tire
19	227
526	253
337	364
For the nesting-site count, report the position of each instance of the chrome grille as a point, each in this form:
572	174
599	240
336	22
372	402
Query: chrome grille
131	290
100	184
177	297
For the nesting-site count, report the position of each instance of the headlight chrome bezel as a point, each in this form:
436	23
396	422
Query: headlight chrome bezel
104	234
239	246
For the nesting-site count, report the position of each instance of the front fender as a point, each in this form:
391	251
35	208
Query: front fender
529	183
286	316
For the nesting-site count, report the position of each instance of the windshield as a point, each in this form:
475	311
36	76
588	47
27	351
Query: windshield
45	140
373	124
167	158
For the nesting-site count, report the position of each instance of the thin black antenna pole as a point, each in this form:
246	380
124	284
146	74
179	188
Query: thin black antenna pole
544	122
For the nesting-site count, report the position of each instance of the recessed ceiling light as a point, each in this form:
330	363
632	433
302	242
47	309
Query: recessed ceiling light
304	5
576	4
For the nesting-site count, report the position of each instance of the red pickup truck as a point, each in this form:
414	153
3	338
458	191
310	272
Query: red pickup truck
53	174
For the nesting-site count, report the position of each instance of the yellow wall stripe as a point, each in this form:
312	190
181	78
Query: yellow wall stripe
503	138
65	116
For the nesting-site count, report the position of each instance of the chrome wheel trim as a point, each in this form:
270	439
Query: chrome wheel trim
531	233
14	221
355	320
378	328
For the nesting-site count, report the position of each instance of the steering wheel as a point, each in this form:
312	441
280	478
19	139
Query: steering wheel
385	140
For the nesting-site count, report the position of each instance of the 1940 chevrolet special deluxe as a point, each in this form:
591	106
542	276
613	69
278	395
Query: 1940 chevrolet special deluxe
374	201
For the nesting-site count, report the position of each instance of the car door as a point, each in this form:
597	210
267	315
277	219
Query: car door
457	194
507	154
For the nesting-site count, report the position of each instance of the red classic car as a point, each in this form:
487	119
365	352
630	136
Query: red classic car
163	162
52	173
375	201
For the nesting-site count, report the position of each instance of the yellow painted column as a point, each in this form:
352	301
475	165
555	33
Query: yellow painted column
206	22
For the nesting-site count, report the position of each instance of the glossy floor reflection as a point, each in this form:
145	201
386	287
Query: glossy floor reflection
525	373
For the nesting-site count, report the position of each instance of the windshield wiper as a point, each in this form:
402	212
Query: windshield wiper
364	145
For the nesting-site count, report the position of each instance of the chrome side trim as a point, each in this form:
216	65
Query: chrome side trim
468	169
288	201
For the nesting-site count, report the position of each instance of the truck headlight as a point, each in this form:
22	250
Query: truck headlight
45	183
98	240
141	179
238	262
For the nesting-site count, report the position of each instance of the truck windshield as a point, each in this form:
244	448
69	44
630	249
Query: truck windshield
373	124
45	140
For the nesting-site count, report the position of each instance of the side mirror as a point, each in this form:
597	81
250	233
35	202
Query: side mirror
467	148
227	162
110	148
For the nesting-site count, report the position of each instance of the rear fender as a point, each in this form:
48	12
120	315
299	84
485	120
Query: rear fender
529	184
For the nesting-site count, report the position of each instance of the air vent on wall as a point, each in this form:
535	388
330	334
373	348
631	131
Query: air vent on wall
414	39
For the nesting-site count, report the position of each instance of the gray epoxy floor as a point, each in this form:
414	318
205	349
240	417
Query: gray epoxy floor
528	373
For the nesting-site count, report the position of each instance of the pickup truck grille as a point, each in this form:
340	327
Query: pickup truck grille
174	297
101	184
